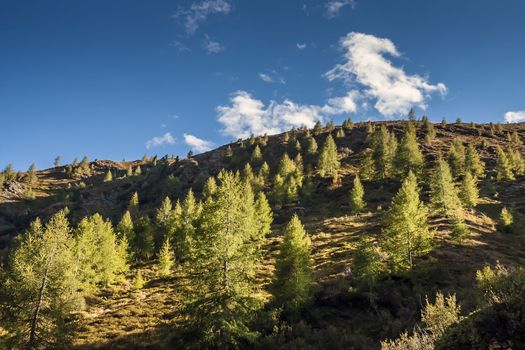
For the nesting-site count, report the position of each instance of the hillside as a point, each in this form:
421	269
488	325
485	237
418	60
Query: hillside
343	313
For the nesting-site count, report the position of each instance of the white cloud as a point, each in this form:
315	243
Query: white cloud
301	46
515	117
212	46
334	7
198	12
266	78
180	46
166	139
246	116
272	77
198	145
394	91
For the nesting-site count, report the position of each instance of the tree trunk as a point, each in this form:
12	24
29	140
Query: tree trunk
34	321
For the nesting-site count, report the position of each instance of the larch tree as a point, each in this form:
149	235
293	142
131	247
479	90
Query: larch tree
328	163
473	164
164	222
504	166
166	258
367	262
42	286
101	260
187	218
143	243
443	193
469	191
291	286
409	156
220	289
383	145
357	202
456	158
406	233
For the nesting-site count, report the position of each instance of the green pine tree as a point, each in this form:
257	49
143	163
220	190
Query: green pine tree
473	164
357	202
41	287
443	192
220	289
108	177
328	163
456	158
166	259
506	221
504	166
187	217
291	286
97	250
409	156
469	191
406	233
367	262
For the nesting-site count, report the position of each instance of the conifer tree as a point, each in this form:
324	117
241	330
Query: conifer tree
134	202
187	218
125	228
357	202
515	138
288	181
340	133
129	171
412	115
98	254
443	192
516	160
220	290
318	128
31	175
409	156
469	191
406	233
143	243
473	164
138	170
256	155
328	163
264	174
264	216
138	281
57	161
166	258
506	220
367	262
164	221
504	167
456	158
348	124
291	286
41	286
229	152
383	146
210	187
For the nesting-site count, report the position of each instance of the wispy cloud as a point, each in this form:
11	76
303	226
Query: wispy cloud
393	90
266	78
198	12
198	145
166	139
301	46
212	46
272	77
180	46
334	7
515	117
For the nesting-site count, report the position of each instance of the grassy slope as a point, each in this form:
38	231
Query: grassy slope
122	317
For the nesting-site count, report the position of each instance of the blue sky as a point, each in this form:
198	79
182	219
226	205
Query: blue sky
117	79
